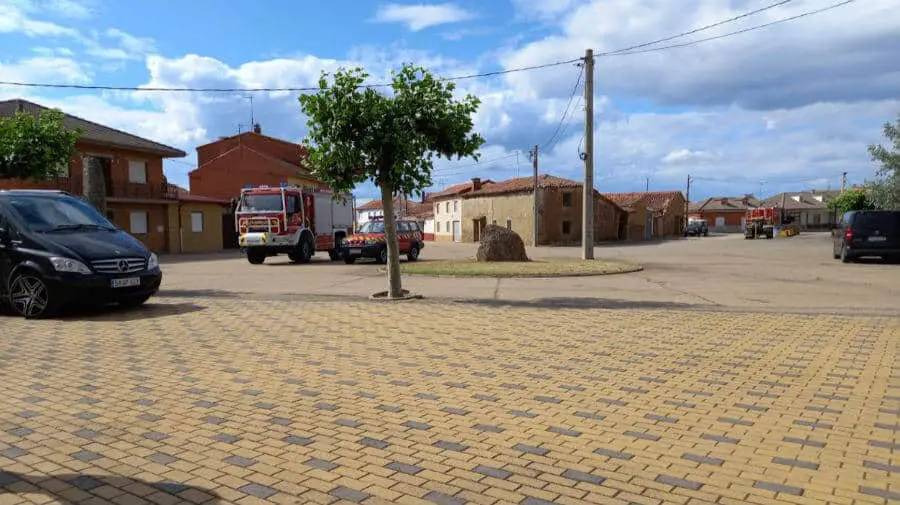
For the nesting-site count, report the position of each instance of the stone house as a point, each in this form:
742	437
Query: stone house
653	214
139	198
510	203
403	207
724	214
809	209
447	209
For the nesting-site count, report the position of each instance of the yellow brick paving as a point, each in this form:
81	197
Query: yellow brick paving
252	402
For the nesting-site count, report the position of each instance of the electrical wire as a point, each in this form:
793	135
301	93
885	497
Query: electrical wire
617	52
562	120
695	30
736	32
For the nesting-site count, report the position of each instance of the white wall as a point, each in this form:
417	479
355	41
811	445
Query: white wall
429	226
445	212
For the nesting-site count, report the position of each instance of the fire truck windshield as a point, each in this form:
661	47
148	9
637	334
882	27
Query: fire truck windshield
261	203
372	227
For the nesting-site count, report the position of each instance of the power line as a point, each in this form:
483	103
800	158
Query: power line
695	30
565	113
737	32
618	52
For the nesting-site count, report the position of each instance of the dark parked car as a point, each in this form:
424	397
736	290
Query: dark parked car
696	229
868	233
57	250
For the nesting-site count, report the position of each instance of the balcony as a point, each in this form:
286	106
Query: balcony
114	189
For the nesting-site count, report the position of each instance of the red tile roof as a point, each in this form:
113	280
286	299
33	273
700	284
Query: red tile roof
656	201
457	189
523	185
410	207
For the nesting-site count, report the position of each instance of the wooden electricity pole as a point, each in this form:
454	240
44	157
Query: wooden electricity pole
587	226
687	201
843	182
534	195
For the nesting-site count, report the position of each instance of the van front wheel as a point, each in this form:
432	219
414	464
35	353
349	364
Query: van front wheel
29	295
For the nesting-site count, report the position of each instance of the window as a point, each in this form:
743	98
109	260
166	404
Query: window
509	224
437	226
447	207
197	222
402	226
567	199
437	208
567	227
455	205
137	172
139	224
448	226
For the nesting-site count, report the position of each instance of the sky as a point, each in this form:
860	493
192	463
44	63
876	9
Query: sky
786	107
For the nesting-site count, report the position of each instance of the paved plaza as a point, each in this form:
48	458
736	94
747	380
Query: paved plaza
232	393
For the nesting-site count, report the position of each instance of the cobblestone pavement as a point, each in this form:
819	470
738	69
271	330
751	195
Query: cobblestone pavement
344	401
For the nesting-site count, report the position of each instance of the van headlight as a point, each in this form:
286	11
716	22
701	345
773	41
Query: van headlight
153	262
69	265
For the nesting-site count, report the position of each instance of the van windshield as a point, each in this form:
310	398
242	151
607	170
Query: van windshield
45	214
262	203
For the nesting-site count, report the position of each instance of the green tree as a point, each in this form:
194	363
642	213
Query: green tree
852	199
357	134
35	146
885	192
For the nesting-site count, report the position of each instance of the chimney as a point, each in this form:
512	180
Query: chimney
257	128
476	183
724	201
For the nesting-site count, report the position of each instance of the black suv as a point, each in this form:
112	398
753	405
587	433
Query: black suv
696	229
867	233
57	250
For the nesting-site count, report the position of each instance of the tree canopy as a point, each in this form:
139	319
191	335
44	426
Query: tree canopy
885	192
35	146
852	199
358	134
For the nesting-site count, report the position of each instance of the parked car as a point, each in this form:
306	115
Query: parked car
696	229
57	250
867	233
369	241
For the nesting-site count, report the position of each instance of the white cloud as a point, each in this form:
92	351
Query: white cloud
71	9
13	19
421	16
683	156
44	69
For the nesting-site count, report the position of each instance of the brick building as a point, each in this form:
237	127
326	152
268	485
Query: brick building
509	203
724	214
138	195
230	163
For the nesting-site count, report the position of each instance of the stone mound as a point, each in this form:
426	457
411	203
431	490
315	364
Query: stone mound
500	244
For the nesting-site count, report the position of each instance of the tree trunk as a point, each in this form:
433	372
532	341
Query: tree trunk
94	183
390	236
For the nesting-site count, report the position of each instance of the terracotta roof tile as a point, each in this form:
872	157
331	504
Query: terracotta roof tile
657	201
457	189
183	195
523	185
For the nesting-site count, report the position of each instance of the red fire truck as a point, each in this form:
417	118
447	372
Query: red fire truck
291	220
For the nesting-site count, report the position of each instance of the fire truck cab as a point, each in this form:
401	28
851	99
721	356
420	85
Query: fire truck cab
291	220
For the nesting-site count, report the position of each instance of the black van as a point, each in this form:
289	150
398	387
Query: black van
57	250
868	233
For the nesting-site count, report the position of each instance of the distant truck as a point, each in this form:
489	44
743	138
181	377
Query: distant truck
291	220
761	222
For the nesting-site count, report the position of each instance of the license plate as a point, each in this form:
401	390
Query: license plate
253	239
877	239
127	282
355	251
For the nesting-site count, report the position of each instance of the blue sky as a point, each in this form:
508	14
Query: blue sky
786	107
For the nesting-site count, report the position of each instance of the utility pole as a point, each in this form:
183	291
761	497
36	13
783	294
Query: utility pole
687	200
587	226
647	187
534	194
843	182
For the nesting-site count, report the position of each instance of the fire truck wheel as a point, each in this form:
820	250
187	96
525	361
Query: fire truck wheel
256	257
303	252
349	260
